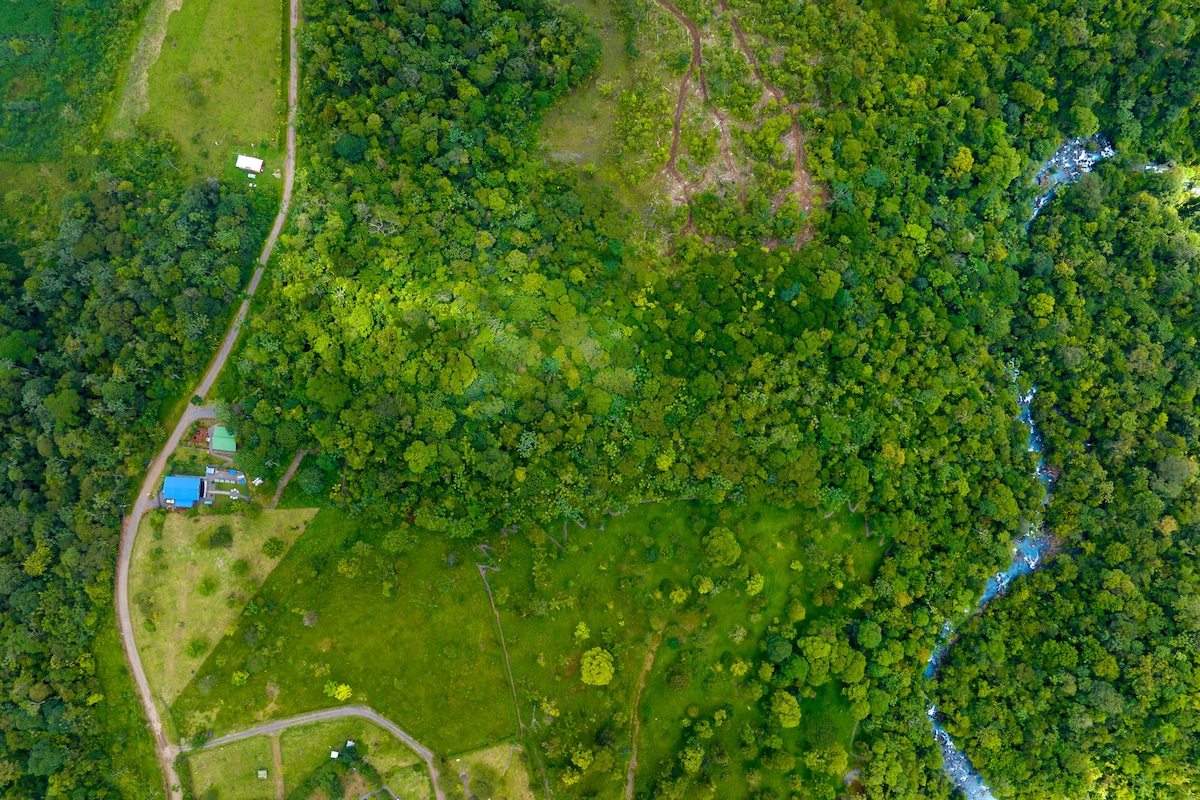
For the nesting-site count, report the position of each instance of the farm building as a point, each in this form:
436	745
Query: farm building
182	491
222	439
249	163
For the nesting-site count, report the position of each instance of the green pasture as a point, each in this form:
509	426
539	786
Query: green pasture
215	87
616	578
230	772
579	128
186	594
499	771
409	633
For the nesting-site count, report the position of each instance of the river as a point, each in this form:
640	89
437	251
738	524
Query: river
1073	159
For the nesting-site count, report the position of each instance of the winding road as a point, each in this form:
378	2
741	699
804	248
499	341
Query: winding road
164	749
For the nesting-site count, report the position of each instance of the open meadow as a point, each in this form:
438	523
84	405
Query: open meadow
383	618
216	86
192	574
624	630
644	588
231	772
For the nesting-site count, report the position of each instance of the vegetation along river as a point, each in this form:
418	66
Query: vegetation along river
1072	160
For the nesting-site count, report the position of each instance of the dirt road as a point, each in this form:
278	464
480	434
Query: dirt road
165	750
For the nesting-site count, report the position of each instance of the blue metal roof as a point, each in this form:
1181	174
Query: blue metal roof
181	491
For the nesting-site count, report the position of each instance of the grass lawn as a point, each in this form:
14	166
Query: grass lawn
307	747
186	594
499	771
216	84
612	587
231	772
410	633
119	714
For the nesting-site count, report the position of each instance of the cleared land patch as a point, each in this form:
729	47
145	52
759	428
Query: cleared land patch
579	128
499	771
216	84
397	618
230	772
188	586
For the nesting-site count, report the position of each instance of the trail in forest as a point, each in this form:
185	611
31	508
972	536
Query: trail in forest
287	477
694	67
637	712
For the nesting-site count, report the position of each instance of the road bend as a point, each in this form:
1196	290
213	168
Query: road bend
164	749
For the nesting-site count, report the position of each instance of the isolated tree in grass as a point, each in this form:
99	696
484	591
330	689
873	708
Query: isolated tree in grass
597	667
721	547
785	711
274	547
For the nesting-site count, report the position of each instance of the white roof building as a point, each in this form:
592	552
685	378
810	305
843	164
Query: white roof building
250	163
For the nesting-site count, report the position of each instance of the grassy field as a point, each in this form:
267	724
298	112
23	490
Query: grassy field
216	87
190	593
119	713
612	586
400	769
499	771
579	128
409	633
231	772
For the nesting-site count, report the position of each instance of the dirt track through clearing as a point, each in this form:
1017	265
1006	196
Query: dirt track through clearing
801	185
637	713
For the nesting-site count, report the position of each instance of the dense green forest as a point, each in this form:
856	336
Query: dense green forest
1084	679
106	319
483	339
473	337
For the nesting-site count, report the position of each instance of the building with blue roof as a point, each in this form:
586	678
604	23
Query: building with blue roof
182	491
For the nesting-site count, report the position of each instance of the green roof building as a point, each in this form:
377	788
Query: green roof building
223	440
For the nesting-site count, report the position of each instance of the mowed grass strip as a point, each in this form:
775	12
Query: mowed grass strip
308	746
186	593
230	772
408	633
216	85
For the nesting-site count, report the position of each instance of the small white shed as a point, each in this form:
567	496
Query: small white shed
249	163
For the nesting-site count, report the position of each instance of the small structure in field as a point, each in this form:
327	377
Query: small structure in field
182	491
262	774
250	163
222	439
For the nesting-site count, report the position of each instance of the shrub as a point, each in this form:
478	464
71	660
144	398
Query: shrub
274	547
597	666
222	536
721	547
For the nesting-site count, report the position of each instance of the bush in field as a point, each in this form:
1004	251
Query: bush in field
597	666
222	536
785	711
274	547
721	547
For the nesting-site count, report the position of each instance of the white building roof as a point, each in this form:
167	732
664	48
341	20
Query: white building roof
250	163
